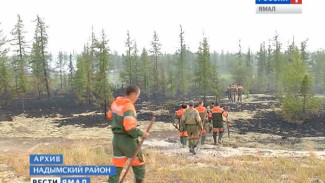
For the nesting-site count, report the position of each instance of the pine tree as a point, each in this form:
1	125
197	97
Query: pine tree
261	67
89	55
290	50
128	66
103	89
171	82
303	50
241	70
277	63
162	76
181	75
248	70
136	64
20	61
80	79
5	80
297	83
89	69
155	51
36	65
71	72
306	90
41	40
203	70
146	71
318	69
295	72
61	62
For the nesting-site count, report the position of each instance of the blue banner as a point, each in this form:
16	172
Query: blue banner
272	1
44	159
72	170
75	179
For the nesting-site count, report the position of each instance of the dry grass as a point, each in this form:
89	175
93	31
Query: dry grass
186	169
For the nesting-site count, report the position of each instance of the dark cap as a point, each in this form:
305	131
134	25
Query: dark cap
191	103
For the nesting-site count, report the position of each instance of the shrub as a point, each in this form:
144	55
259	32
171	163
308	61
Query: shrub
292	108
170	104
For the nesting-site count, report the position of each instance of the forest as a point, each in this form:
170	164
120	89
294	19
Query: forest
293	74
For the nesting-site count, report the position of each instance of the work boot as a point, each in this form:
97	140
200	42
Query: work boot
214	138
193	152
220	137
202	139
138	180
191	149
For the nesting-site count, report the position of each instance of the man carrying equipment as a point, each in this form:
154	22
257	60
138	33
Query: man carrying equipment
240	89
192	120
217	122
182	128
126	133
203	115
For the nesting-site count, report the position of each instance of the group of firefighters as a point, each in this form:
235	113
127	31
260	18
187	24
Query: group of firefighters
233	91
195	122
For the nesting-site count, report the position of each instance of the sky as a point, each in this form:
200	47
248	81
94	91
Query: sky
224	22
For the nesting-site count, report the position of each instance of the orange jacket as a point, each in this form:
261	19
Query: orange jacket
201	109
218	109
180	112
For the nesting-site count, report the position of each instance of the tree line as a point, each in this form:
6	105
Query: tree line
96	72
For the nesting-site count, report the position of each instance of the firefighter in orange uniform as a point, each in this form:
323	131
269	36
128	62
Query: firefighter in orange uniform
217	122
125	140
203	114
182	128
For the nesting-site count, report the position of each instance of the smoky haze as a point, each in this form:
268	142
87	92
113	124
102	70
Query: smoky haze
223	22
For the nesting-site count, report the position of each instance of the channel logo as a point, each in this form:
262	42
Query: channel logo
278	1
278	6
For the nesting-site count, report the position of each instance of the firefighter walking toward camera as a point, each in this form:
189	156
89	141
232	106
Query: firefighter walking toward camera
240	89
229	92
192	120
125	140
217	121
233	93
182	128
203	115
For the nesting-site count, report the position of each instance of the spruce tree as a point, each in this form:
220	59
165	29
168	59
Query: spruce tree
156	53
181	75
203	70
5	79
103	89
71	72
41	41
128	67
20	59
146	71
61	62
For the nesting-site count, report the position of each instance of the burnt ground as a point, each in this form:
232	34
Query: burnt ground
270	122
64	105
255	128
265	120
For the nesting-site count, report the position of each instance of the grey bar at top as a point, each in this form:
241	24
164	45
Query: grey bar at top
279	9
